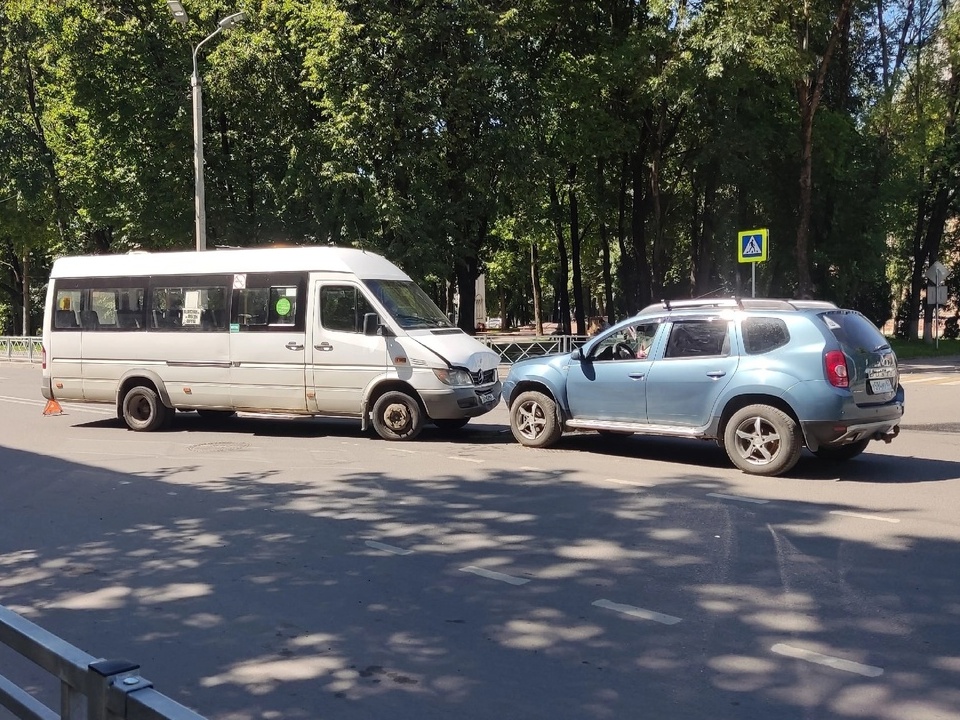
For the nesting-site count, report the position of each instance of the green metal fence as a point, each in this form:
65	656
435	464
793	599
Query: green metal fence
510	347
27	349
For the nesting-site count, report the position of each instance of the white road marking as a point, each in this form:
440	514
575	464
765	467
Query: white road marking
833	662
908	380
628	483
463	459
864	516
42	403
493	575
387	548
739	499
401	450
637	612
953	382
529	468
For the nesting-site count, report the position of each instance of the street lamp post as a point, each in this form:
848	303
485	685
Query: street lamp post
180	15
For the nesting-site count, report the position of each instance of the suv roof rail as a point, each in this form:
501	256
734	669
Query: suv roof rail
742	303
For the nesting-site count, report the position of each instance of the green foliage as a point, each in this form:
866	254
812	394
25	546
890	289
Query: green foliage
433	131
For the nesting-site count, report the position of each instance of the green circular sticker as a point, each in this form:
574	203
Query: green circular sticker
283	307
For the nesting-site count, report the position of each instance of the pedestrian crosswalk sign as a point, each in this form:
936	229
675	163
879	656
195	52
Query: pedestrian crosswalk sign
752	245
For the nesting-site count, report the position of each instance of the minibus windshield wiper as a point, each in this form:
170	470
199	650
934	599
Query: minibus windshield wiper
419	320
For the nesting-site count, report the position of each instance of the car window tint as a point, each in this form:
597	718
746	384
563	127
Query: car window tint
853	331
698	338
762	335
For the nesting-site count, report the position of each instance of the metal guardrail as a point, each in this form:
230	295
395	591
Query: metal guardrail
28	349
510	347
90	688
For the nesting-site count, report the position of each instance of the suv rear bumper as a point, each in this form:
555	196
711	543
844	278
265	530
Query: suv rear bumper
833	433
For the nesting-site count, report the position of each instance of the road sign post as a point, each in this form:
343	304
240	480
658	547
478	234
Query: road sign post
752	247
937	273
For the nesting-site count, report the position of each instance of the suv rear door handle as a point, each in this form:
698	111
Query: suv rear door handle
293	345
636	376
716	373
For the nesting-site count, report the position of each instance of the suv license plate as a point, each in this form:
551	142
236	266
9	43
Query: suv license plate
881	386
486	398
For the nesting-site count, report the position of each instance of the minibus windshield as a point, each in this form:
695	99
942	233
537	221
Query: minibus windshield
408	304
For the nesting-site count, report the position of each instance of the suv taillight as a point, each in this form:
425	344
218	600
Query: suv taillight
43	355
835	363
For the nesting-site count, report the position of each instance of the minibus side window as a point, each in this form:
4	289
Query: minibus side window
65	316
342	308
200	308
268	302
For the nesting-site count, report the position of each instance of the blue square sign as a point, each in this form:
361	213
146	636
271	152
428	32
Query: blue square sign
752	245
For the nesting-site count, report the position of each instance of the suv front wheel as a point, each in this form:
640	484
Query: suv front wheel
534	421
762	440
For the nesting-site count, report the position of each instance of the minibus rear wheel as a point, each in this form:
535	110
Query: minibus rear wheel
143	410
397	416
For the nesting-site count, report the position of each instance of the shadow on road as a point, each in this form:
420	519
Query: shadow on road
258	594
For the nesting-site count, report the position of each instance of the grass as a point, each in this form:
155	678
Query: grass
911	349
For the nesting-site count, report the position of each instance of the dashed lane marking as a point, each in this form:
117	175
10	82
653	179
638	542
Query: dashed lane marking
637	612
494	575
933	378
463	459
828	660
387	548
865	516
721	496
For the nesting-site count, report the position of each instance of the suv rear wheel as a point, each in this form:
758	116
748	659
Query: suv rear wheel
534	421
762	440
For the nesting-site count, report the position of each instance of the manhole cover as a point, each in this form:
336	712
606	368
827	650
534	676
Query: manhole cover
217	447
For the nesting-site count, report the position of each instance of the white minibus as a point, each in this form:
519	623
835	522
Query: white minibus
302	330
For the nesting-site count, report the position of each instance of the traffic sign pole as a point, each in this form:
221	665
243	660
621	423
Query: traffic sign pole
752	248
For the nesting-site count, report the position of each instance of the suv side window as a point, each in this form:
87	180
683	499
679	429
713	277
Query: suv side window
630	343
698	338
762	335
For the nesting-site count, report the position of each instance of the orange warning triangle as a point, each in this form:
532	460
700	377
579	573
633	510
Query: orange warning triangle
53	408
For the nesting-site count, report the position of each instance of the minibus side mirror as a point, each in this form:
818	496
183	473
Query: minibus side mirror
372	326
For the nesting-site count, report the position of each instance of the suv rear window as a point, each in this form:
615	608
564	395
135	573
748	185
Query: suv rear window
762	334
853	331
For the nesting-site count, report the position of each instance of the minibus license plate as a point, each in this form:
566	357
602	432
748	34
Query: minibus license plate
486	398
881	386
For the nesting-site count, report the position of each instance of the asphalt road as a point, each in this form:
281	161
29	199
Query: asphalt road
301	569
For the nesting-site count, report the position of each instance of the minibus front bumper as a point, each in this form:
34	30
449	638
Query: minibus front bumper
459	402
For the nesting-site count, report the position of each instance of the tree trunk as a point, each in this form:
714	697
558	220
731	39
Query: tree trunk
705	228
578	298
25	278
467	271
563	271
604	244
638	235
809	91
627	270
537	290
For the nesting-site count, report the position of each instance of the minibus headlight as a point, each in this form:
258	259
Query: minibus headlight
453	376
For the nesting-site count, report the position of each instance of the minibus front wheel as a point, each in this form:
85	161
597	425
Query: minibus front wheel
143	410
397	416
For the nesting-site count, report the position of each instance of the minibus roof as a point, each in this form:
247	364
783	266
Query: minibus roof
363	264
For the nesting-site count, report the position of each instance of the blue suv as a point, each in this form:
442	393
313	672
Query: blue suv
762	377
